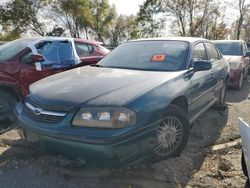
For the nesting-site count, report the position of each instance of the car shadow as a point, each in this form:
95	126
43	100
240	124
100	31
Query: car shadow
235	96
174	172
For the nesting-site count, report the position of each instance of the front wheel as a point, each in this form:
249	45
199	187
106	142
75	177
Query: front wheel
241	80
221	104
7	104
246	73
172	135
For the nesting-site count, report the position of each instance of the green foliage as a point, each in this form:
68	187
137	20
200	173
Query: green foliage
56	31
103	17
121	30
149	22
74	15
20	16
198	18
11	35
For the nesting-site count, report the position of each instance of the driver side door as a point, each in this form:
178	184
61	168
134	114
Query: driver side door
201	84
29	72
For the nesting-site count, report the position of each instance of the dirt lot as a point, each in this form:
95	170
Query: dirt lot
199	166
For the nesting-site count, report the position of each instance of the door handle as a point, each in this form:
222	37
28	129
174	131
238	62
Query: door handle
212	73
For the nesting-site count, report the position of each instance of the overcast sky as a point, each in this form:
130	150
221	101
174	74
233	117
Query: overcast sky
127	7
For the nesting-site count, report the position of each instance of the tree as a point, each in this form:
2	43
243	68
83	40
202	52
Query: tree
243	9
21	15
121	30
10	35
246	29
56	31
189	15
214	27
149	22
103	17
74	15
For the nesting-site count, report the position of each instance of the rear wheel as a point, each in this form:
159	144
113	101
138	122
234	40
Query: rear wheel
172	135
7	104
241	79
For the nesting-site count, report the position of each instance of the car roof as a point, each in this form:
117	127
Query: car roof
226	41
61	38
185	39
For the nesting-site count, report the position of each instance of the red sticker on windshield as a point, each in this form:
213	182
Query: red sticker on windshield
159	58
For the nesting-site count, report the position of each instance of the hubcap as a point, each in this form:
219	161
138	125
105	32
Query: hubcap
169	136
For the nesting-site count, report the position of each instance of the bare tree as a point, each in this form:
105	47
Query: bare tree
243	8
190	15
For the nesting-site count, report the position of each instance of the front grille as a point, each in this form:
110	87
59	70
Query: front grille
36	112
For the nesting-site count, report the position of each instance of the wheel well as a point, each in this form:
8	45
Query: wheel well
12	90
181	102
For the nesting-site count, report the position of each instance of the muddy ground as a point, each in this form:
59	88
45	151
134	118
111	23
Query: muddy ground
198	166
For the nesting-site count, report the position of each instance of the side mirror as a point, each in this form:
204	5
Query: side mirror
248	54
37	58
202	65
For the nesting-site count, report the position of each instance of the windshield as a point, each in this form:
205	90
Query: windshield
148	55
229	48
10	49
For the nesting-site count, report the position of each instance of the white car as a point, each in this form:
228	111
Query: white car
245	140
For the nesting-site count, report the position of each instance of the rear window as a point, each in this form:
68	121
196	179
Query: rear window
148	55
229	48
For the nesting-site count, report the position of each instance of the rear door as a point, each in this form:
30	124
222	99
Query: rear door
217	72
84	51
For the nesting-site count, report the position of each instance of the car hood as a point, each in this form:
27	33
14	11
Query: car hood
233	59
97	86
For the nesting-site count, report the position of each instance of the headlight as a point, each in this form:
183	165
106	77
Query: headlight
234	65
105	117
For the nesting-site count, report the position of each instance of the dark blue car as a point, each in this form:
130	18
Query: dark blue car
136	103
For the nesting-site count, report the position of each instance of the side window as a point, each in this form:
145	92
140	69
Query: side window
83	49
212	52
26	57
199	52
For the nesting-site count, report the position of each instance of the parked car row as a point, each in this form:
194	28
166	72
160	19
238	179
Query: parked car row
137	103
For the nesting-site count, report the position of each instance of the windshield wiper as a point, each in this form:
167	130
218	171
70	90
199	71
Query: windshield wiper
96	65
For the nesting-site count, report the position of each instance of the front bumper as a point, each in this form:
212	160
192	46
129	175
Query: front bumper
234	77
113	151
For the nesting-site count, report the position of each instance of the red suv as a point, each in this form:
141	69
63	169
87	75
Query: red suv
25	61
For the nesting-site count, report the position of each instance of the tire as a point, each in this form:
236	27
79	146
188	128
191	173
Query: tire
241	79
172	135
243	165
246	73
7	104
221	104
